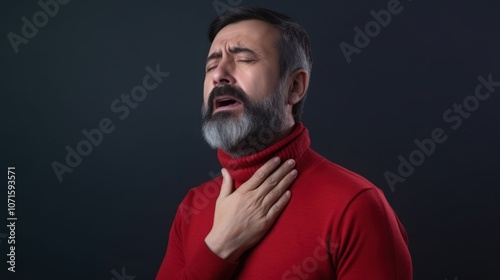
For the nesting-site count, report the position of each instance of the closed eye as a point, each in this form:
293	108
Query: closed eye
211	67
247	60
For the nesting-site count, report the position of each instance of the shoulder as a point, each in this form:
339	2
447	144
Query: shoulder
334	176
199	203
328	181
204	192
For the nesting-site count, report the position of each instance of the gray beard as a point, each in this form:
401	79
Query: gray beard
259	125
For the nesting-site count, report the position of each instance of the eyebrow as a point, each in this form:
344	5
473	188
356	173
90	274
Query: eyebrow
234	50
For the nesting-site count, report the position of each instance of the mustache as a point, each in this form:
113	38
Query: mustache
226	90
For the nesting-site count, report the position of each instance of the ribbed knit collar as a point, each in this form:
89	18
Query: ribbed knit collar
290	147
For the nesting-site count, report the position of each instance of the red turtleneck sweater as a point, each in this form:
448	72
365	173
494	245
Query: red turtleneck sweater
337	225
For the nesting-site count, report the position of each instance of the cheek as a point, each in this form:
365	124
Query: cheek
205	99
261	89
206	92
264	84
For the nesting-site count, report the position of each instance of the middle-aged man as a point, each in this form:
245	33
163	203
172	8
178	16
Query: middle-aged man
280	210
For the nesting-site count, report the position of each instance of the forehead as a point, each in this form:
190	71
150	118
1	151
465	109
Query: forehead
257	35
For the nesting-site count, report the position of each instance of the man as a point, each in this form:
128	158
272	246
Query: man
280	210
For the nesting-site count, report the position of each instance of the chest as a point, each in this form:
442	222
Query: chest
296	247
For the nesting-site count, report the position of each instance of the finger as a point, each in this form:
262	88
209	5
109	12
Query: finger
277	192
274	179
260	175
227	184
278	207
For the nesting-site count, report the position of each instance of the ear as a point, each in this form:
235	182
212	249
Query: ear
297	86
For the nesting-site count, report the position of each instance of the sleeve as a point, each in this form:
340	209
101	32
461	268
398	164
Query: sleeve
203	264
372	243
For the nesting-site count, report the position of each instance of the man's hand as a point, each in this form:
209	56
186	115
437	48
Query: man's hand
244	216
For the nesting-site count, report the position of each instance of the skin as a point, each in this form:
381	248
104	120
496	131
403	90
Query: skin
244	54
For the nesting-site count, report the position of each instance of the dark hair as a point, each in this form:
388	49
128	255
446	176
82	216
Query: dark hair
294	46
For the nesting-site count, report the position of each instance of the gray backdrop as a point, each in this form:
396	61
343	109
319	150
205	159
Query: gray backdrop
64	71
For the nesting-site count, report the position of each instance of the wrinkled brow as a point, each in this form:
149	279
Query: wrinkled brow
234	50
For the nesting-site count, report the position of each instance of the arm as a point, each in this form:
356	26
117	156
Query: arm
241	219
372	243
204	265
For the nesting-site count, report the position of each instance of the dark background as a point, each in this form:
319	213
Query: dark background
115	209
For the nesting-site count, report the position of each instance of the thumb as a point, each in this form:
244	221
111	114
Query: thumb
227	184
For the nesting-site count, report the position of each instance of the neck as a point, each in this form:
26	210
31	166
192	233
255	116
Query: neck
259	141
291	144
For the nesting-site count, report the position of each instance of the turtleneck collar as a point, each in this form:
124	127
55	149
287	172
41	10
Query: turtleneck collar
292	146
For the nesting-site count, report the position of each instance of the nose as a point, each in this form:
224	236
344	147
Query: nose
223	73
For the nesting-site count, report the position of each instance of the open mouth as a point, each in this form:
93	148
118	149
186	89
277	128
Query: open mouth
226	103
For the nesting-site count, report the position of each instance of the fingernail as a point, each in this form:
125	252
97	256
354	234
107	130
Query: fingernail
291	161
294	172
276	159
